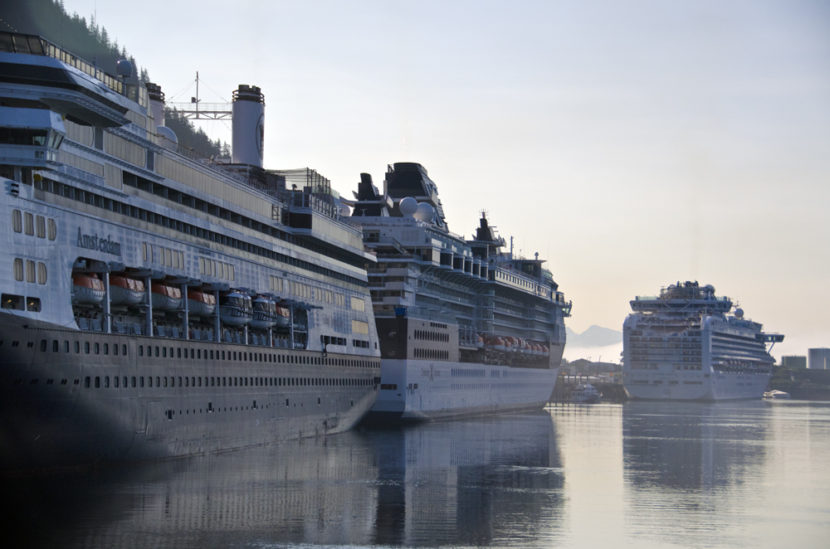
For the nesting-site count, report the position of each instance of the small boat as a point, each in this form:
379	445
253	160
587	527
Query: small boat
283	316
200	303
585	393
264	313
235	308
125	290
775	394
166	297
87	289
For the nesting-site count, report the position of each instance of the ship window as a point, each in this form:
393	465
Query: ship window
86	347
77	347
53	229
41	273
28	223
41	226
97	382
86	382
17	221
18	269
30	270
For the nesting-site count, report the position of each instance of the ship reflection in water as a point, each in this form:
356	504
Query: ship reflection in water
471	482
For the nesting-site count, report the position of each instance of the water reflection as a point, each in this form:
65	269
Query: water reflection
471	482
692	461
692	445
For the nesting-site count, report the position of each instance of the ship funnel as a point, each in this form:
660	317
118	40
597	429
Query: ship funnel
248	125
156	103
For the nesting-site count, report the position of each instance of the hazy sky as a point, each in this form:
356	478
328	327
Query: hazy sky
631	144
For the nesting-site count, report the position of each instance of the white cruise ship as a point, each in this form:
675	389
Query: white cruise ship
157	305
465	327
688	344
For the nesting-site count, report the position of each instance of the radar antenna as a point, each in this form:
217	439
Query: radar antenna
196	110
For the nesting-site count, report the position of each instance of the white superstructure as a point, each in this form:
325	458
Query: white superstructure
688	344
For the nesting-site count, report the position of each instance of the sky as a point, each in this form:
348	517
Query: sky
631	144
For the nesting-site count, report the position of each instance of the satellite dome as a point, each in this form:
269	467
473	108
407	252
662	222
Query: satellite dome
739	313
425	212
124	68
169	139
408	206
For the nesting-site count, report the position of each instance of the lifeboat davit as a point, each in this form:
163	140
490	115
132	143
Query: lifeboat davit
87	289
235	309
166	297
264	313
200	303
125	290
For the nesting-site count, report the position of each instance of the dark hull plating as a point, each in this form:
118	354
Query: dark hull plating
67	400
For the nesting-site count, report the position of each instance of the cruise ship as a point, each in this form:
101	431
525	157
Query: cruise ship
466	327
155	304
689	344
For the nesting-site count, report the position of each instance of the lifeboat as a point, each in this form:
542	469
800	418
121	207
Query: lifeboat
499	344
200	303
87	289
235	309
264	313
166	297
125	290
282	316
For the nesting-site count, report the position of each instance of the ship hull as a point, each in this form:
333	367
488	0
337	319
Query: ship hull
64	402
695	386
418	390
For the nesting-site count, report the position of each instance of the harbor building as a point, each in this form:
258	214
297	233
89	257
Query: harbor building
818	358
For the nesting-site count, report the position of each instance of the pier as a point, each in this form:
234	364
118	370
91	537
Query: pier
612	391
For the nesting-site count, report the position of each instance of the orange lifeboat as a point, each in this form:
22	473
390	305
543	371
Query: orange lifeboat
125	290
166	297
87	289
200	303
283	316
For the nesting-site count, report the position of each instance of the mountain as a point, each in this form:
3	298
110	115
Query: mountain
595	336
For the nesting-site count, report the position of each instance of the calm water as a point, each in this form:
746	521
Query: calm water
754	474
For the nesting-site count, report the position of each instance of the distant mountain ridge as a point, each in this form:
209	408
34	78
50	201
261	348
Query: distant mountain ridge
595	336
